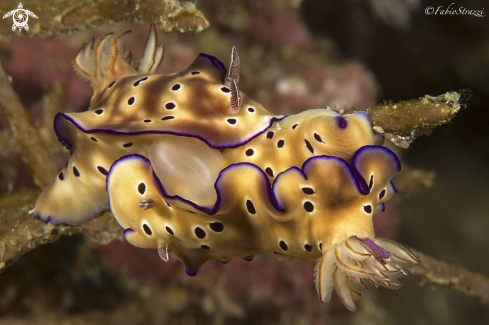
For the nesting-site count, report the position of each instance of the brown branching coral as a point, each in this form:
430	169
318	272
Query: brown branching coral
33	151
8	144
436	272
410	181
53	101
404	121
66	16
20	233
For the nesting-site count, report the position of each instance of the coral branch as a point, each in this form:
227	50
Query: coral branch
8	144
53	101
416	114
404	121
437	272
33	151
410	181
66	16
20	233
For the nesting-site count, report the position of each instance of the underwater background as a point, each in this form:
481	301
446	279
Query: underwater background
295	55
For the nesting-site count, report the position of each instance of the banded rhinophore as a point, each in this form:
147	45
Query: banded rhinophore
189	164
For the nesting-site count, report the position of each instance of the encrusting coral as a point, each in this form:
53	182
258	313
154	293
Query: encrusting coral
189	164
57	17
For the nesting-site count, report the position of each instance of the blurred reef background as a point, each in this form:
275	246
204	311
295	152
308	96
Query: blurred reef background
295	55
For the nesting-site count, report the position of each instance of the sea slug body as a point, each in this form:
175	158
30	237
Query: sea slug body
189	164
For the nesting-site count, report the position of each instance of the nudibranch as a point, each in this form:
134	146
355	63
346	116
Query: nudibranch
133	106
189	164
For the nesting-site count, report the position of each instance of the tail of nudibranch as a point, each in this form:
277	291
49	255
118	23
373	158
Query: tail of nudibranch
104	62
354	265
